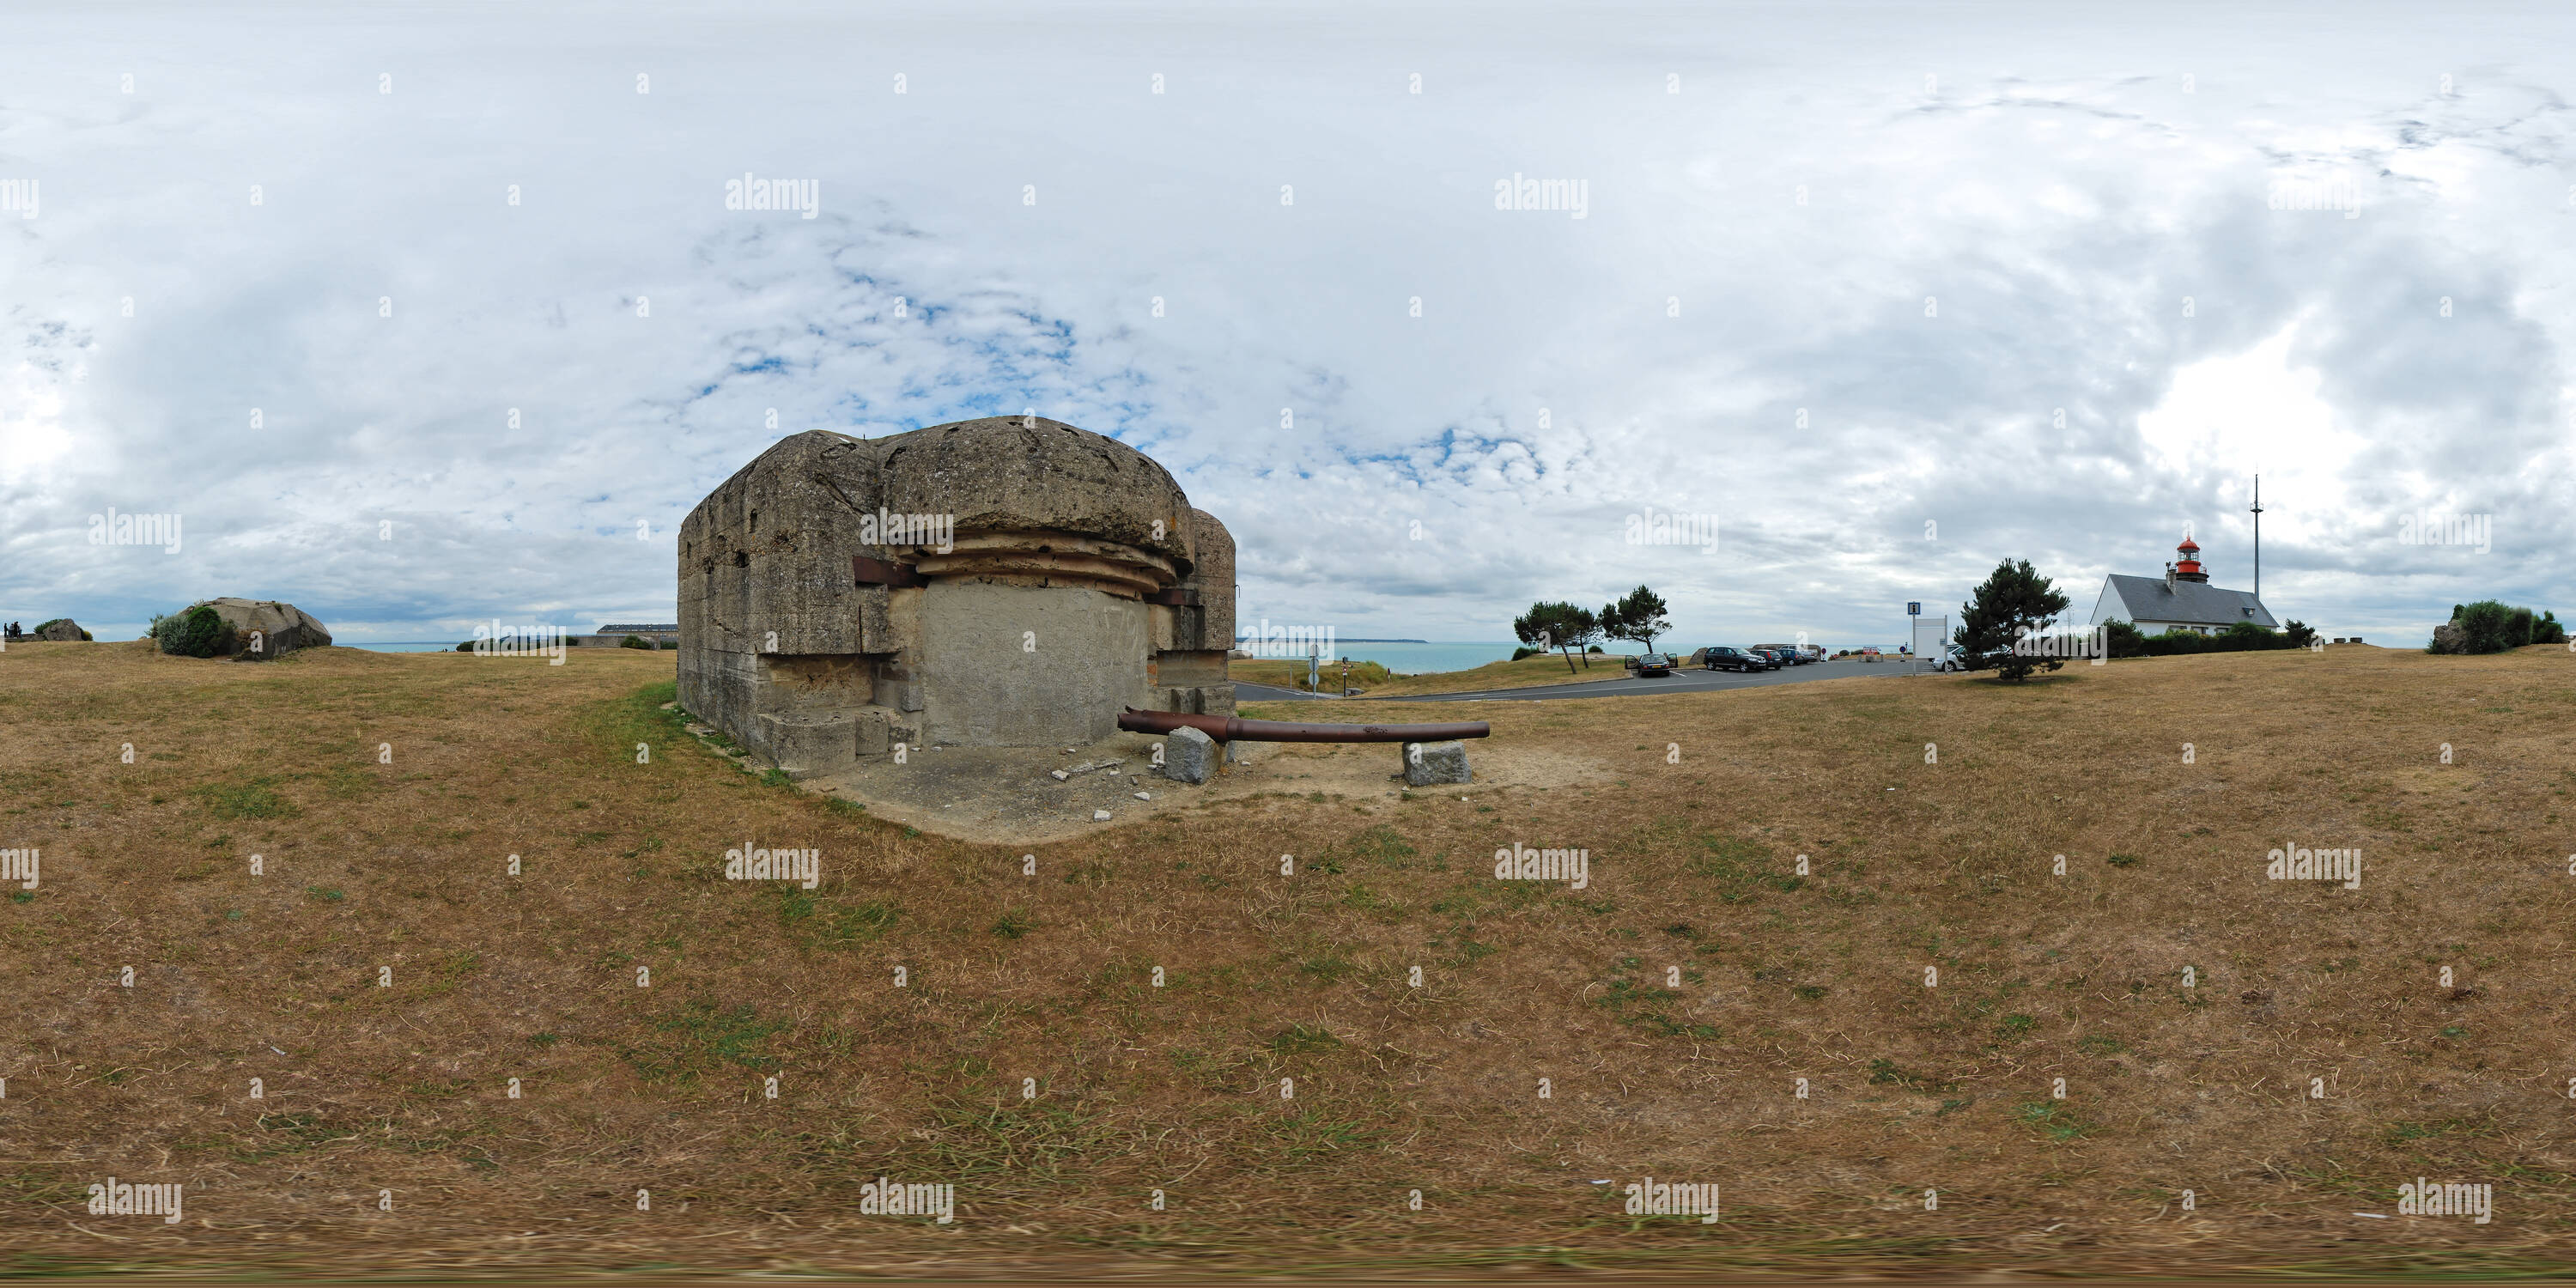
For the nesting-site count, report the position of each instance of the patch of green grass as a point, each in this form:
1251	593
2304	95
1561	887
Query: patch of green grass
1742	868
1380	845
1027	1142
2400	1133
2099	1045
2124	860
2015	1027
1885	1071
255	798
828	923
1468	951
451	973
1635	1004
324	894
613	727
700	1036
1013	924
1307	1136
2054	1118
1297	1039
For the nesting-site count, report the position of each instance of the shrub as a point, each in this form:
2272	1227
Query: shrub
197	632
1525	651
2491	626
466	647
2239	637
636	641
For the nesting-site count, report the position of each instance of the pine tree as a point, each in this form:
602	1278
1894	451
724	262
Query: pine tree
2013	602
1559	626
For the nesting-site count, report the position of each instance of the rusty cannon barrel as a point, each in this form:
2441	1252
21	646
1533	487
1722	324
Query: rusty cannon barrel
1232	729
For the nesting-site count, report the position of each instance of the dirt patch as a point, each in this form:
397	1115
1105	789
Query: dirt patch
1010	796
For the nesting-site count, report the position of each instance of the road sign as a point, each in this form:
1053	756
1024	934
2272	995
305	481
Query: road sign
1914	608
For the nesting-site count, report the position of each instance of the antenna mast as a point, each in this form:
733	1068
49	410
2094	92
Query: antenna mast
2258	538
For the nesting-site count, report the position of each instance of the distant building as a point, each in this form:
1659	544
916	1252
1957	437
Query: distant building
2182	599
662	634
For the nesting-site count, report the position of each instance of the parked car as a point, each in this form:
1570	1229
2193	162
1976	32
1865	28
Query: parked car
1955	658
1777	658
1645	664
1789	654
1719	657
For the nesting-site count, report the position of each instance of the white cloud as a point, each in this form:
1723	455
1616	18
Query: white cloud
2058	187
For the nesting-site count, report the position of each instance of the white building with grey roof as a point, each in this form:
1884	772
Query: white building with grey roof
2182	600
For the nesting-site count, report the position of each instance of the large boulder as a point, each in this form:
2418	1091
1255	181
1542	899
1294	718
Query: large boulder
1430	764
1189	756
253	630
62	628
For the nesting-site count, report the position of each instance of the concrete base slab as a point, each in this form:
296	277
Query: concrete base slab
1008	795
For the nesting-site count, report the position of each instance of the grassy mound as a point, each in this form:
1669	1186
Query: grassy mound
1774	877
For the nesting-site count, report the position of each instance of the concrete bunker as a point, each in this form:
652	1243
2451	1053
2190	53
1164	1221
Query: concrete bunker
1002	582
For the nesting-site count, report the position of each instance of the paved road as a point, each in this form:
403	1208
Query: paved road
1619	684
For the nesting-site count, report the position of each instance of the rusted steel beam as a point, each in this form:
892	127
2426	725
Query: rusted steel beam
1232	729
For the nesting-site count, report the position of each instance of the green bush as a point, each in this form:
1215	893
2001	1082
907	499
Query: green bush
198	632
466	647
2492	626
2239	637
1519	653
636	641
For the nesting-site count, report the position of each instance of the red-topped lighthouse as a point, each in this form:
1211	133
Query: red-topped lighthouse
2188	567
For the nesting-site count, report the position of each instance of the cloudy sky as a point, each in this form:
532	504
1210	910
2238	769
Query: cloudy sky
427	314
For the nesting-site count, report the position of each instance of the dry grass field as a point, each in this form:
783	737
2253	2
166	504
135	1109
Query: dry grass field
1291	674
1373	680
1287	1087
